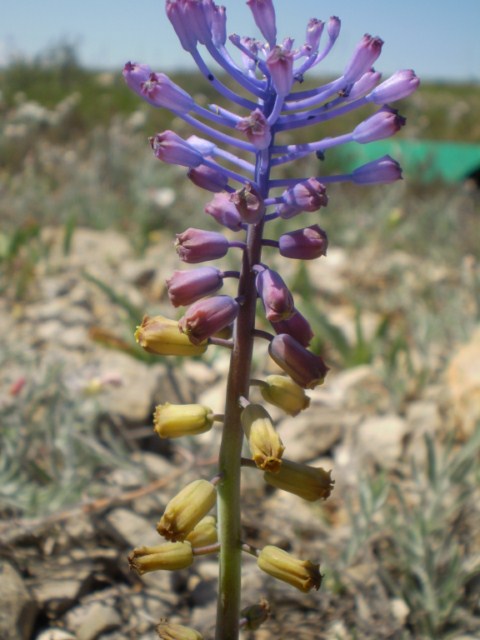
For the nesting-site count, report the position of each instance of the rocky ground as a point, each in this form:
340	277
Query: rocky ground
64	572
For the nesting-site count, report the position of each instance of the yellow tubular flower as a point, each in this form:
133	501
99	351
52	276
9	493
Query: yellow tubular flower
310	483
171	631
264	442
284	393
186	509
301	574
162	336
176	420
168	557
204	534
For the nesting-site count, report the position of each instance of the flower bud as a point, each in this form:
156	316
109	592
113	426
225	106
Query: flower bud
207	317
364	85
171	148
380	171
208	178
171	631
169	557
162	337
309	483
204	534
314	33
186	287
264	15
400	85
367	51
280	64
176	14
308	195
296	326
383	124
160	91
304	244
186	509
196	245
176	420
219	25
249	204
285	394
255	126
224	211
304	367
264	442
275	295
301	574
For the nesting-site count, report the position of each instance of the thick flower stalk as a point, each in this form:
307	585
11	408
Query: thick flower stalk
238	156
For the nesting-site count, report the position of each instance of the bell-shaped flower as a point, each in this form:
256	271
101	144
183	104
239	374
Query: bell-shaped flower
224	211
249	204
309	483
171	556
307	195
264	15
177	420
296	326
314	33
204	533
380	171
161	336
173	631
280	65
171	148
186	509
402	84
196	245
265	444
208	178
303	366
383	124
364	56
301	574
275	295
207	317
186	287
157	88
304	244
284	393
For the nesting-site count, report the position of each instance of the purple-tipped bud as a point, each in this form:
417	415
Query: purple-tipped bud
249	62
383	124
207	317
275	295
135	75
296	326
367	51
333	28
197	20
280	64
304	244
308	195
169	147
304	367
197	245
400	85
219	25
208	178
264	16
256	128
249	204
160	91
186	287
314	33
381	171
224	211
176	13
364	85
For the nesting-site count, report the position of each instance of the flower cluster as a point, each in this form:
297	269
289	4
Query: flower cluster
237	156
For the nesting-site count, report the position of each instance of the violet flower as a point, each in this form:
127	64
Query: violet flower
238	153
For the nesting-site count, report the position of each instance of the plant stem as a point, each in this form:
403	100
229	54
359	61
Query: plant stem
238	383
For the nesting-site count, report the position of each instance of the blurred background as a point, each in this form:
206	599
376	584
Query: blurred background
87	218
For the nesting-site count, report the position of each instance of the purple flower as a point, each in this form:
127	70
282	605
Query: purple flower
304	367
314	33
275	295
224	211
264	16
170	148
400	85
197	245
186	287
297	326
365	54
304	244
157	88
382	124
207	317
381	171
256	128
307	195
208	178
249	204
280	65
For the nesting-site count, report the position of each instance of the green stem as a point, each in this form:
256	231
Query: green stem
228	489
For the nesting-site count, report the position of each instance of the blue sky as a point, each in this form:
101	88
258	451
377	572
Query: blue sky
439	39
